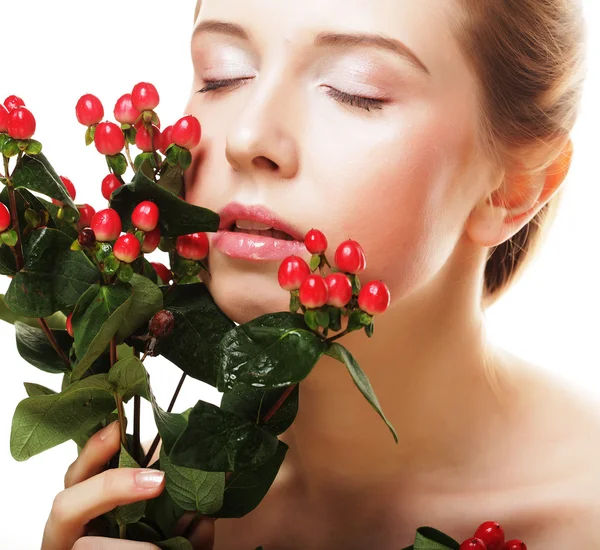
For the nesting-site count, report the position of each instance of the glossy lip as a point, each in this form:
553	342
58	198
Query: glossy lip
236	211
246	246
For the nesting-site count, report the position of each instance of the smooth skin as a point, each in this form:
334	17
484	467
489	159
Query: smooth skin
483	434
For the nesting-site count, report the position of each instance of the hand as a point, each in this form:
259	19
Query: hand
90	492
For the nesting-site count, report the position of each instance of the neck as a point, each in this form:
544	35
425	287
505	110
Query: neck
433	373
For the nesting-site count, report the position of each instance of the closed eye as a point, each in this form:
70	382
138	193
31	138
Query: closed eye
366	103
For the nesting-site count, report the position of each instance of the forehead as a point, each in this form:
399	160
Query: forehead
425	26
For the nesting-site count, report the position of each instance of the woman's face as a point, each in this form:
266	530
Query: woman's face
400	178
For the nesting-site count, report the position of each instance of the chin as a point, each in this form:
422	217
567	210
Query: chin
245	295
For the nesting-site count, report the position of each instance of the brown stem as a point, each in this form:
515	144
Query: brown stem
53	341
337	336
137	447
278	404
156	441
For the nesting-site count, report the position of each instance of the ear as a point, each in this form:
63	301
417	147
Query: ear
514	204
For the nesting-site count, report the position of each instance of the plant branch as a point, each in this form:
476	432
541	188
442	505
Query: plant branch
137	447
337	336
156	441
286	393
53	341
118	398
128	155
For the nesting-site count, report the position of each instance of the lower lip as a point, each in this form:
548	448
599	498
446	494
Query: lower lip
244	246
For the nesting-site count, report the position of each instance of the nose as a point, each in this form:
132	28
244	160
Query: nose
262	138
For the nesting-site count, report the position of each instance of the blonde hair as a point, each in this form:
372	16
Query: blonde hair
529	56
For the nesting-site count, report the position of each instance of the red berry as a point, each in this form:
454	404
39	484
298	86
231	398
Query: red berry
151	240
350	257
161	325
109	138
86	238
193	247
144	96
124	111
163	272
514	544
106	224
491	534
340	289
292	272
86	213
145	216
313	291
166	138
3	119
143	139
4	217
109	184
127	248
187	132
12	102
21	123
70	325
89	110
473	544
374	297
69	185
315	242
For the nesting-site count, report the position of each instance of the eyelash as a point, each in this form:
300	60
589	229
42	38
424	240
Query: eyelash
366	103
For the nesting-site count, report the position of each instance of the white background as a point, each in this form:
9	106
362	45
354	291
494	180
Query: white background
54	52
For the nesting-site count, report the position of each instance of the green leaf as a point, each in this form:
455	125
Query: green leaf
339	352
44	421
117	163
315	261
245	490
128	377
172	179
33	147
199	326
129	513
428	538
147	300
253	403
33	346
177	217
142	531
56	321
271	351
54	277
35	173
177	543
164	512
191	489
96	319
60	222
216	440
36	389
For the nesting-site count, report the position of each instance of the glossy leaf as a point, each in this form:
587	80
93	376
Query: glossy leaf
177	217
56	321
35	173
339	352
44	421
172	179
271	351
60	223
428	538
54	277
253	403
33	346
96	319
216	440
245	490
191	489
129	513
146	301
199	326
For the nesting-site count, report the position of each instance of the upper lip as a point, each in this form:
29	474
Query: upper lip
236	211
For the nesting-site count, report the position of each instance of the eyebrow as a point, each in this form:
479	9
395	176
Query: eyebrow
323	39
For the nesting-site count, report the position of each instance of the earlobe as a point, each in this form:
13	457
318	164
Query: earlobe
516	202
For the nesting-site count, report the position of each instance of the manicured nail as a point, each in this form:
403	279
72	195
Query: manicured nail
149	478
105	432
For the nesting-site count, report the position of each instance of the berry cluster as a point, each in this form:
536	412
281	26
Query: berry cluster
139	125
325	298
18	124
490	536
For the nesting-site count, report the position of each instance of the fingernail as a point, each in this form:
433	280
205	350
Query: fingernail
149	478
105	432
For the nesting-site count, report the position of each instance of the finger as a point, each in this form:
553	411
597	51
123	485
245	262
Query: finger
92	459
74	507
102	543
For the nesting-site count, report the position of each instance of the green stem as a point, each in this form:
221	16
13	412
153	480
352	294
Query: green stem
122	531
127	154
118	398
